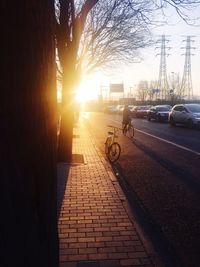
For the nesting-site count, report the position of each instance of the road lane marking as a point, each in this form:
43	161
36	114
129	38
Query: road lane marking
166	141
171	143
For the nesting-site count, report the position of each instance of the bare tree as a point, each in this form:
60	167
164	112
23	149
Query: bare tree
152	85
142	91
175	86
113	34
93	33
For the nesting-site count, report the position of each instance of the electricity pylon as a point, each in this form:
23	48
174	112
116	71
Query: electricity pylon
186	91
162	85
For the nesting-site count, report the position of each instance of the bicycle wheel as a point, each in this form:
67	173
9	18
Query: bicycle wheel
114	152
130	131
107	145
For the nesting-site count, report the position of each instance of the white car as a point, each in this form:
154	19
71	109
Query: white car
188	114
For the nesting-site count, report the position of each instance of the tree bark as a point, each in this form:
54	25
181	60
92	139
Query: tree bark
28	123
66	128
70	81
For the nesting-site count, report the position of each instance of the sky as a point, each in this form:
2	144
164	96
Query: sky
130	75
176	31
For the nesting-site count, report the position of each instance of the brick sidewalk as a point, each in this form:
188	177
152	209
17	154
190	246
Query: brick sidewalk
95	226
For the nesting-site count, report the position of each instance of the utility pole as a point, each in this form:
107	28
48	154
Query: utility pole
186	84
162	84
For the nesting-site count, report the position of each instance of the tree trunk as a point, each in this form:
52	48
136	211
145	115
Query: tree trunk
28	122
66	132
69	84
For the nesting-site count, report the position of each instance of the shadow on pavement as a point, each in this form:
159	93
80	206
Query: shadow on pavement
62	176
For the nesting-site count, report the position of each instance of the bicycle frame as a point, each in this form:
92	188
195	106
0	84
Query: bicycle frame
112	148
113	135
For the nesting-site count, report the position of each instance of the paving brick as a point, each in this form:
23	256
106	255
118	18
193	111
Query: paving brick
126	249
66	229
107	250
93	225
118	228
62	234
137	254
114	244
100	221
78	226
132	243
115	220
78	245
109	224
86	239
96	244
84	221
99	256
139	248
79	257
63	245
87	250
68	251
104	238
130	262
95	229
68	240
102	229
95	234
77	234
118	255
71	222
111	233
127	233
121	238
85	229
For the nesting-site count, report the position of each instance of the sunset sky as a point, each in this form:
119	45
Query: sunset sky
130	75
148	69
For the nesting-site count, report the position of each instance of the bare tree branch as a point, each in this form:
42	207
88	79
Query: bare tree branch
99	33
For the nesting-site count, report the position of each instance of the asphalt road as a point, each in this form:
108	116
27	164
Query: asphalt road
160	171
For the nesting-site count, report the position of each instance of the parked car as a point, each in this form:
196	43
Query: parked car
130	107
140	111
159	113
188	114
110	109
120	109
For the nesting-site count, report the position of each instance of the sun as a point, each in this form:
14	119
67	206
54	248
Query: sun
89	89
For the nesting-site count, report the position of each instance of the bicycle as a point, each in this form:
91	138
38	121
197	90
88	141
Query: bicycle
112	148
129	130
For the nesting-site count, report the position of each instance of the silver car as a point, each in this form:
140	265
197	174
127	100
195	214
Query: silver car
188	114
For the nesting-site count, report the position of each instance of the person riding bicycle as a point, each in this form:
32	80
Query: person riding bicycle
126	118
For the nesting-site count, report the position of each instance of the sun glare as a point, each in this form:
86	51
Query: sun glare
89	89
